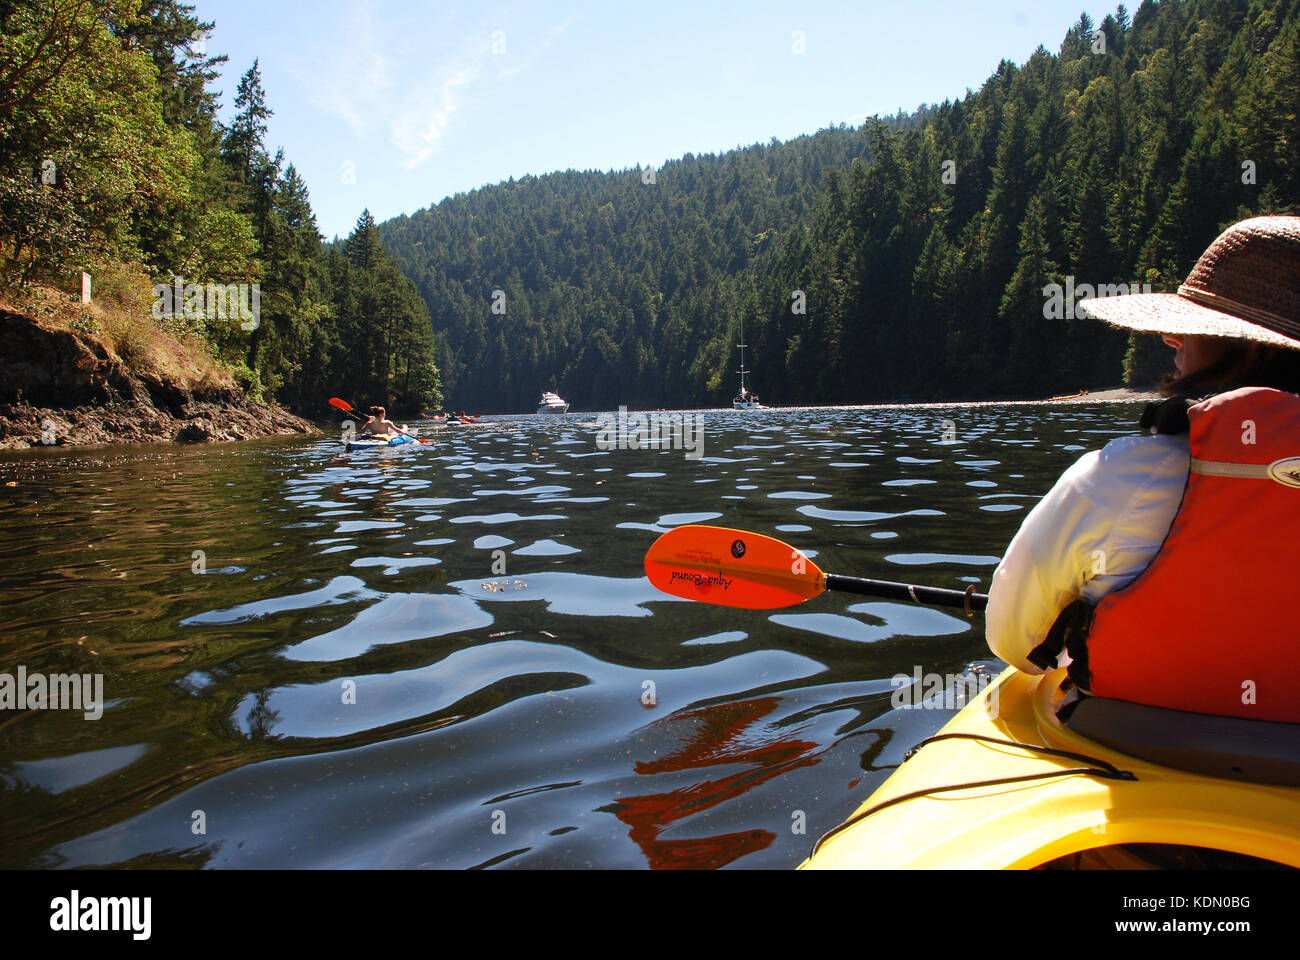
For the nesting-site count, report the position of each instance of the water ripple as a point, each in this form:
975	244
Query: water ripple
356	660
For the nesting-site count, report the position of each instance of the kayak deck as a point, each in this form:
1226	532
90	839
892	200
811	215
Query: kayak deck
1031	823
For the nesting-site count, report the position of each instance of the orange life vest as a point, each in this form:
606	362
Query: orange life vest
1212	625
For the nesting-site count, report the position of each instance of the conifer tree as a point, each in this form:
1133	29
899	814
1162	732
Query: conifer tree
245	141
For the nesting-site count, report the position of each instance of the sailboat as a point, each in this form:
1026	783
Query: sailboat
745	400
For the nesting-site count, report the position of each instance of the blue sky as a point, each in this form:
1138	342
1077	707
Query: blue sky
394	104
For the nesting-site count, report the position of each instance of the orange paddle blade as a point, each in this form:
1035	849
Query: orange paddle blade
341	404
731	568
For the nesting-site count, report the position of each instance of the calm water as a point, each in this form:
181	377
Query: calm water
351	683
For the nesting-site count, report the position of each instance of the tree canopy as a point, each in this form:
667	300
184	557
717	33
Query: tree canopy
910	257
913	257
111	153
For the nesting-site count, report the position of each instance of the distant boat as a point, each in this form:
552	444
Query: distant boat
745	400
552	403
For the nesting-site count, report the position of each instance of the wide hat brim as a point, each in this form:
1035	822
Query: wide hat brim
1169	313
1245	286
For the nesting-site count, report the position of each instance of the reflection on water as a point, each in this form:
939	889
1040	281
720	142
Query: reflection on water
711	737
449	656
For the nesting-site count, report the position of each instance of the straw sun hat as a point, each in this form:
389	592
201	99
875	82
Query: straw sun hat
1246	286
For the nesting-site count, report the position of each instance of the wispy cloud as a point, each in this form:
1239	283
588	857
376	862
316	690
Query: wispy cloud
514	67
385	80
358	81
426	112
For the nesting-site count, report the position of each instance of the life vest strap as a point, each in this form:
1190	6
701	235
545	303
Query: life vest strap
1069	631
1170	416
1223	468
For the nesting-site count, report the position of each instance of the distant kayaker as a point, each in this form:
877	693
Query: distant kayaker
1162	567
378	422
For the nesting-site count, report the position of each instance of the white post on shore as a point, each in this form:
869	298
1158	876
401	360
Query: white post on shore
85	287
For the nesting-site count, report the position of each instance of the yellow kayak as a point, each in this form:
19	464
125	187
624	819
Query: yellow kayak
1111	816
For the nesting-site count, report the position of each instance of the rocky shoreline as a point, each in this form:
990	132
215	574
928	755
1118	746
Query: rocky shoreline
1114	395
57	386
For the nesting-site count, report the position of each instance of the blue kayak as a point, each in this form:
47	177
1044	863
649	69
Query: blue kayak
371	443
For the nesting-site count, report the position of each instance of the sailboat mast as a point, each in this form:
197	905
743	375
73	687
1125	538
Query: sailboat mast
742	371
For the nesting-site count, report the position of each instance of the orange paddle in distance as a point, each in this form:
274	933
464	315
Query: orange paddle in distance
735	568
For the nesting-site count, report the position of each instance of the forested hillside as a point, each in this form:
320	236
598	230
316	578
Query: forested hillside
615	286
905	258
113	163
921	247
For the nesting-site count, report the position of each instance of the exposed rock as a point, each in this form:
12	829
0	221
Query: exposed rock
196	431
56	386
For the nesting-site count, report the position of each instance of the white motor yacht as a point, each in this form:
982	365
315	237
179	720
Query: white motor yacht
552	403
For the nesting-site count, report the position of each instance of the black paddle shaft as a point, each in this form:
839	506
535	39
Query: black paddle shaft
967	599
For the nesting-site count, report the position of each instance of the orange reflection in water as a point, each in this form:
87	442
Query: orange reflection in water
718	737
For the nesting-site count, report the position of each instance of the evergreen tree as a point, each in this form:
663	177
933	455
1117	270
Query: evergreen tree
245	141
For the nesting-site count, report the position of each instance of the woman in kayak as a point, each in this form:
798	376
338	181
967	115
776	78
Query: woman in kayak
378	423
1161	568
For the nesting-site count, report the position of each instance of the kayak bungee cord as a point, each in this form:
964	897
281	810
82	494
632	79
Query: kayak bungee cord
1116	772
1100	769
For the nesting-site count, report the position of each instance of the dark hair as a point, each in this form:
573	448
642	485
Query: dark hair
379	412
1245	364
